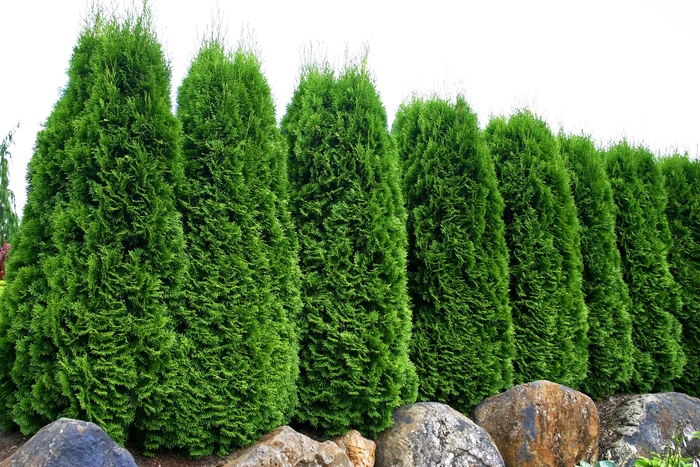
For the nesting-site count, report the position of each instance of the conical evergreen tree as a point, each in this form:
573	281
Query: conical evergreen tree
682	182
643	239
29	388
610	327
238	337
549	314
462	342
116	277
347	207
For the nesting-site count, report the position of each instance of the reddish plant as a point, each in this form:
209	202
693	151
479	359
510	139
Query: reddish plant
3	256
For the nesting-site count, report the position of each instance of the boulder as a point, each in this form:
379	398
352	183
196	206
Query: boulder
284	447
360	450
68	442
541	424
428	433
648	422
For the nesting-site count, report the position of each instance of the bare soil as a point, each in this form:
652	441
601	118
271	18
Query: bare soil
11	442
606	406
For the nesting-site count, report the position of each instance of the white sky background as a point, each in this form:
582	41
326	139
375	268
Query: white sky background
610	68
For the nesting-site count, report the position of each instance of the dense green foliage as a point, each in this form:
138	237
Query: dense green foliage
643	239
541	230
239	362
610	327
348	211
197	289
29	390
682	182
112	266
8	217
462	343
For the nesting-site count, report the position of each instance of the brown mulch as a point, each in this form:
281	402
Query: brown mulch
11	442
171	459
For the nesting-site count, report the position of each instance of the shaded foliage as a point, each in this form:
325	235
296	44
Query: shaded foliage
643	239
462	342
348	211
682	183
607	298
541	230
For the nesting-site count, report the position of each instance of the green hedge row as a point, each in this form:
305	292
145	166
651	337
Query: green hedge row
192	281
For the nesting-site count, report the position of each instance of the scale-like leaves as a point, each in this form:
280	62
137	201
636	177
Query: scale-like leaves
644	239
610	350
348	211
115	278
238	338
29	387
462	342
682	183
541	230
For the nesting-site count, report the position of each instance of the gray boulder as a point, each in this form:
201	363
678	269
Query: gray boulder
71	443
646	423
429	433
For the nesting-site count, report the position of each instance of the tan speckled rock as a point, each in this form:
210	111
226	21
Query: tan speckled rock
284	447
360	450
541	424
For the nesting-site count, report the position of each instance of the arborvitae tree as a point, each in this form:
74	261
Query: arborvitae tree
549	314
347	207
116	277
462	342
238	336
682	182
30	394
643	239
610	327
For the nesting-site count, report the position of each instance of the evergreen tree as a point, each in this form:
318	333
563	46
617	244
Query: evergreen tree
115	279
238	337
347	207
8	216
610	327
549	314
682	182
643	239
462	342
30	393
